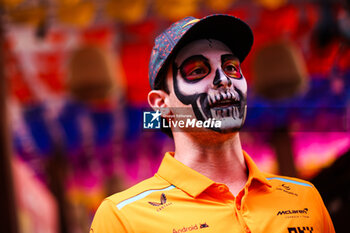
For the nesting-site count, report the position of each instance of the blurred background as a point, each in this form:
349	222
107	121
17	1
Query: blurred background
74	84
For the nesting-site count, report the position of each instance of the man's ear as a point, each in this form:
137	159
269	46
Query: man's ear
157	99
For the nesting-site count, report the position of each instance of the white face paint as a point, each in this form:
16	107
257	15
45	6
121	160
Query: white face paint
207	76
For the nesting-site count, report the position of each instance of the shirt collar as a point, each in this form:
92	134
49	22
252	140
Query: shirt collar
194	183
254	172
182	176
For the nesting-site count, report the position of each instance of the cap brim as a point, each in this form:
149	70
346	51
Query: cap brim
230	30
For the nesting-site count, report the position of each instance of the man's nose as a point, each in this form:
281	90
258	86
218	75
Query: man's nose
221	80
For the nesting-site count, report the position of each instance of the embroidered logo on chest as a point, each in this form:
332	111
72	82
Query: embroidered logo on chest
294	213
287	189
162	204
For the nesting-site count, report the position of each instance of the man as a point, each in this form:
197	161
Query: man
209	184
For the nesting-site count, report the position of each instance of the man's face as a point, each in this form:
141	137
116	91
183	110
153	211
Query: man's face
207	76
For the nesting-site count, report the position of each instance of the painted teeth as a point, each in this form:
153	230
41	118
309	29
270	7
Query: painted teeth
212	99
236	112
226	112
213	113
230	112
209	100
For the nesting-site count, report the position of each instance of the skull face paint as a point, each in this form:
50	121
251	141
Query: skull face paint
207	76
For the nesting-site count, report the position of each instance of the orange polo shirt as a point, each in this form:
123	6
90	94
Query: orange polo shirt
178	199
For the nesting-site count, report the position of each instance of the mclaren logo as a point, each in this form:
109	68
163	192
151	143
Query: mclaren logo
162	204
288	212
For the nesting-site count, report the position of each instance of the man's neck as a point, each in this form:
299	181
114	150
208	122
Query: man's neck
218	157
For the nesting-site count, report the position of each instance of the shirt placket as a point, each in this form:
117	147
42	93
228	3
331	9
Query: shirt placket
239	209
236	203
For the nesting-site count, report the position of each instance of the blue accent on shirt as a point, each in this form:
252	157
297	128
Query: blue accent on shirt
289	181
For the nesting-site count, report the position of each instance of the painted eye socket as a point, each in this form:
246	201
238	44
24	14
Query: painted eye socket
195	70
231	69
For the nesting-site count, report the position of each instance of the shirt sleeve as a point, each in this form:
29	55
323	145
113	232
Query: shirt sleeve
108	219
327	221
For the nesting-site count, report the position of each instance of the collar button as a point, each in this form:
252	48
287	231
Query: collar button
222	189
